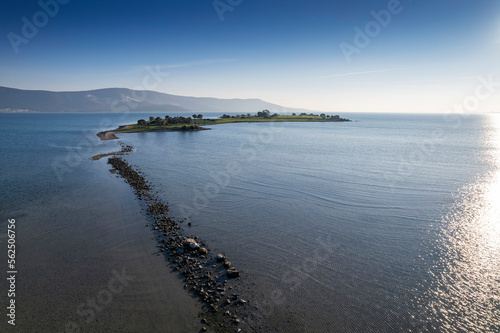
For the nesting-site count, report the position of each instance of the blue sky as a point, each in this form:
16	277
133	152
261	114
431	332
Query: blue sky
427	56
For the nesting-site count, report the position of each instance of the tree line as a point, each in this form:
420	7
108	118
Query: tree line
159	121
267	114
169	120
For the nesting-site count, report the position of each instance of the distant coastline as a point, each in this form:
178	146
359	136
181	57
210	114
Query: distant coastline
106	100
9	110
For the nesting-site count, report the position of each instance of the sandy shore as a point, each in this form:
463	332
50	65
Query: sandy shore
110	135
107	135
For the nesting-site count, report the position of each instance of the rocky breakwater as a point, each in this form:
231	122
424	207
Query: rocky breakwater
125	150
211	278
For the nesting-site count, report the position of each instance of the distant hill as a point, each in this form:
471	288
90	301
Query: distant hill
121	99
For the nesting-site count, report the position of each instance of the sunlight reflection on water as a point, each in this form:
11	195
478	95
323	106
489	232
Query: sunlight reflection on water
466	293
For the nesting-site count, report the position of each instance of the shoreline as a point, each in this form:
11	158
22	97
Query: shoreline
107	135
110	135
160	125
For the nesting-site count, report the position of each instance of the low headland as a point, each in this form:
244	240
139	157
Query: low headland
197	122
209	277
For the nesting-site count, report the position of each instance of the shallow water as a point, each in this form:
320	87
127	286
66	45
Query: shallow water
387	223
339	226
76	231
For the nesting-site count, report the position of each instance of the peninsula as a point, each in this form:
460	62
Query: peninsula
208	276
196	122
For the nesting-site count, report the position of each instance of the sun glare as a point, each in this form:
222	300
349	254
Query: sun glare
466	293
491	217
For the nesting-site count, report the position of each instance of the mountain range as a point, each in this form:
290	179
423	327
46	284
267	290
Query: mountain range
122	99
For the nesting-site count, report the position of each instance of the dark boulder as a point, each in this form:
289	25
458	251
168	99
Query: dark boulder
232	273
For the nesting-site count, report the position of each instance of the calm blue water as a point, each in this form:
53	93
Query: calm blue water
387	223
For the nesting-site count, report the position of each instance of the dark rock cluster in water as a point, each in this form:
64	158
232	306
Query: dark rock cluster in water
125	148
124	151
207	276
138	183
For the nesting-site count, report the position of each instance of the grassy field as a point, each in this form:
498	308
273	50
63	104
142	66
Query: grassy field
196	124
251	119
134	128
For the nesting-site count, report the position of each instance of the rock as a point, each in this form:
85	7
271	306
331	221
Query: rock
194	246
203	251
188	241
227	264
221	257
232	273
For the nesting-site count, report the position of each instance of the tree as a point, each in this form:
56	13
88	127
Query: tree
195	116
158	120
151	118
200	116
141	122
294	114
322	115
263	113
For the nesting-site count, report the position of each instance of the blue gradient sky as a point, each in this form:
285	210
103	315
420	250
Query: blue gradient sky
427	59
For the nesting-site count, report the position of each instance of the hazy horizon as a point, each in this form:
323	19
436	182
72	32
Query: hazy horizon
179	206
366	56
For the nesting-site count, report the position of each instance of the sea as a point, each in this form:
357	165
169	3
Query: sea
387	223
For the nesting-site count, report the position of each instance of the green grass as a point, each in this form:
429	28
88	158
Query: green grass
243	119
152	127
134	128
